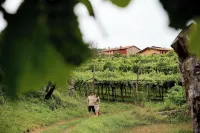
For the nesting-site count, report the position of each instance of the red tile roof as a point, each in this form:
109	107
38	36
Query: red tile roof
120	48
157	48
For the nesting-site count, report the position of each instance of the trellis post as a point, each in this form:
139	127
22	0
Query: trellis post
93	77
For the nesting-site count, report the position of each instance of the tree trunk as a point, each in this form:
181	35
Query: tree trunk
190	69
50	92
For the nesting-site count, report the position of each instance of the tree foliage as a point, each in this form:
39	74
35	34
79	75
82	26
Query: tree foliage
43	41
181	11
176	95
121	3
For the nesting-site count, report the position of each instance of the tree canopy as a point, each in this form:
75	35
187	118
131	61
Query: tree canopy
43	41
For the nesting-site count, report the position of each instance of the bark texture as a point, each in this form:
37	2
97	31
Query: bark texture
189	66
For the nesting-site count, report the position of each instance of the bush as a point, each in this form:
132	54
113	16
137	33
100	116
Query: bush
176	95
109	66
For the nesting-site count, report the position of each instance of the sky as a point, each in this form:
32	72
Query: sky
142	23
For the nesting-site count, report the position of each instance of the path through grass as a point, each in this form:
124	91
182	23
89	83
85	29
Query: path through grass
160	128
62	113
134	120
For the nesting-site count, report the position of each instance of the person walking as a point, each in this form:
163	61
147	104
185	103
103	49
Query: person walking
91	102
97	105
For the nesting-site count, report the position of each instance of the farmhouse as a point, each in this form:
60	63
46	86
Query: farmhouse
154	50
127	51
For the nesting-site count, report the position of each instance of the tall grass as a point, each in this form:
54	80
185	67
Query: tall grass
136	116
107	124
32	111
131	121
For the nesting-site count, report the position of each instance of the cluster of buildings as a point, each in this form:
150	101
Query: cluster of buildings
132	50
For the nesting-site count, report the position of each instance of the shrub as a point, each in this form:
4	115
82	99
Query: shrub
109	66
176	95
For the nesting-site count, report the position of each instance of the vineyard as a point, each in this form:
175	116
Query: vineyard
135	78
129	85
49	66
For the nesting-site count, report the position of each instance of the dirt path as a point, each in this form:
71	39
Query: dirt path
65	122
65	126
41	129
68	129
159	128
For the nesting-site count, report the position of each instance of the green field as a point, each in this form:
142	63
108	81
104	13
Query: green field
62	113
65	112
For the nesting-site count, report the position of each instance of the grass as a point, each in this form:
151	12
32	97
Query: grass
160	106
107	110
161	128
137	120
31	111
63	127
107	124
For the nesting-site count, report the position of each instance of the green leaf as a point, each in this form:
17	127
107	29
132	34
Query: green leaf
180	12
65	33
121	3
40	62
194	39
32	62
88	4
40	46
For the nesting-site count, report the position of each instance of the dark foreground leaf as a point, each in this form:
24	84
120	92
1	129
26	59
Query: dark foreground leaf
181	11
121	3
88	4
194	40
42	42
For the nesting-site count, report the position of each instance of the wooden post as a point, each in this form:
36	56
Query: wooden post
87	90
137	87
113	98
162	89
93	71
98	90
121	88
189	66
102	91
125	91
130	87
160	95
137	81
148	98
115	92
50	92
130	92
108	92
